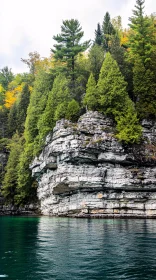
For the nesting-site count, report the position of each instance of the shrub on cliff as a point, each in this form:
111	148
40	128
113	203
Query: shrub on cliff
73	110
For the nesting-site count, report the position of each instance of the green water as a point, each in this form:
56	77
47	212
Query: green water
81	249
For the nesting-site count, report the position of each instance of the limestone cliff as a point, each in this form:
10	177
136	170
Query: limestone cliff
84	171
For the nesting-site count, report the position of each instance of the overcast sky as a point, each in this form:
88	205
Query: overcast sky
29	25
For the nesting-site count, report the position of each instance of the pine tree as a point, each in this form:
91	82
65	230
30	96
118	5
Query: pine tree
91	97
98	35
68	45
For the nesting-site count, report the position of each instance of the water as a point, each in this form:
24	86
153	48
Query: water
81	249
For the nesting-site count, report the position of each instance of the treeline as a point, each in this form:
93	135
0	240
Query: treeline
115	75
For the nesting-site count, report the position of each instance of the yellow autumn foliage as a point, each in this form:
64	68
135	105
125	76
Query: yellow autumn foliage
124	37
11	96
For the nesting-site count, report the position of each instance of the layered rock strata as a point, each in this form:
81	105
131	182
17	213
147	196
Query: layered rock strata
84	171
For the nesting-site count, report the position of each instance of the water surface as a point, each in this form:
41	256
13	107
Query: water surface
81	249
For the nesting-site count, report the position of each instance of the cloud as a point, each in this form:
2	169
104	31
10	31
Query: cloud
29	25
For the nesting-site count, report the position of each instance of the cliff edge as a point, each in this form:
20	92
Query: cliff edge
84	171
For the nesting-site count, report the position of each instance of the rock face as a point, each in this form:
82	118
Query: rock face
84	171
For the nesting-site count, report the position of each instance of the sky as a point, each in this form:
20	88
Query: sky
29	25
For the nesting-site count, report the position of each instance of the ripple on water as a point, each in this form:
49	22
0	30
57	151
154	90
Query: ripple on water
60	249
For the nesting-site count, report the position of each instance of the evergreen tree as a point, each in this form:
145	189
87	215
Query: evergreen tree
22	105
145	90
142	54
141	34
68	45
118	52
73	111
12	120
10	179
17	113
111	87
95	60
115	102
107	30
26	186
82	70
58	99
128	128
38	99
98	35
91	97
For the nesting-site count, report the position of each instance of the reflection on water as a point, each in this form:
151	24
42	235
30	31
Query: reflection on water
81	249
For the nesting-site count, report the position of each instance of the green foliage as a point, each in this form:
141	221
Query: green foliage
141	34
108	31
98	35
142	53
2	96
68	45
4	144
57	96
144	90
111	87
17	113
115	102
82	74
38	99
22	105
12	120
26	187
128	127
60	111
73	110
10	179
3	123
6	76
91	97
95	59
